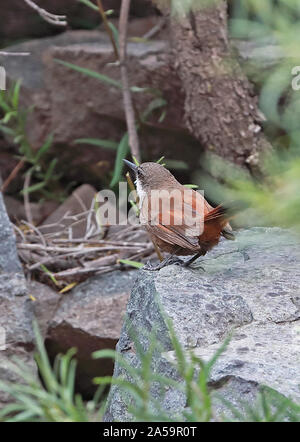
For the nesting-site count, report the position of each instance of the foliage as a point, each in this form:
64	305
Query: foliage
13	124
276	199
130	263
53	398
56	401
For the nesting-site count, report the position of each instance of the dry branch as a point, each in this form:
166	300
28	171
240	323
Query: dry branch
14	54
26	198
53	19
107	28
12	175
127	98
73	260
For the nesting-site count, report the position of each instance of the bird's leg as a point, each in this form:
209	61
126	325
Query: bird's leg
192	259
172	259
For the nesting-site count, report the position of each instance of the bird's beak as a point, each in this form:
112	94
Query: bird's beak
131	165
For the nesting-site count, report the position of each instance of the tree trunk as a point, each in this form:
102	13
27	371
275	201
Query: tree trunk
220	106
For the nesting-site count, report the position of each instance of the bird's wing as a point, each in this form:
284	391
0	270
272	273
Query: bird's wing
179	220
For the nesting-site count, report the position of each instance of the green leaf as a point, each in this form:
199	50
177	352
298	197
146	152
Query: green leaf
128	262
45	147
33	188
18	139
135	161
176	164
8	116
101	77
107	144
191	186
16	95
152	106
44	268
3	102
160	160
89	4
122	152
115	33
50	169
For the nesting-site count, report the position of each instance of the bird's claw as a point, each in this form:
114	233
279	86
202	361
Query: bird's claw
168	261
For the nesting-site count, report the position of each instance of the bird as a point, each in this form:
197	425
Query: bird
178	219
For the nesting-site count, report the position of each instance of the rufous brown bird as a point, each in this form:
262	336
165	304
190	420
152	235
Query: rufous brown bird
182	222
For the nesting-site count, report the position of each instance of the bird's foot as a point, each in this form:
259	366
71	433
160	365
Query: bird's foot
166	262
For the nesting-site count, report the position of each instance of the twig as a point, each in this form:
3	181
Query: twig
78	258
53	19
31	226
95	242
26	198
128	104
108	28
14	54
12	175
156	29
19	231
78	271
74	250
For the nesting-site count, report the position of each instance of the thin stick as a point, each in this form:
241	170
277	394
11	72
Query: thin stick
14	54
155	30
108	28
95	242
12	175
74	250
26	198
32	227
53	19
128	104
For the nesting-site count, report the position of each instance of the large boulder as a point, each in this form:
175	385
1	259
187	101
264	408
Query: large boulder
18	20
20	303
16	312
97	108
250	287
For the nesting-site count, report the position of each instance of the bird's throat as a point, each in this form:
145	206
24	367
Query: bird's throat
140	192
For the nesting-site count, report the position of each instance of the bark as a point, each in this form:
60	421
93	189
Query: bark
221	109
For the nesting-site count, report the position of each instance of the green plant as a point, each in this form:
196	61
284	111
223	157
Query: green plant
13	124
137	383
53	398
56	401
275	200
269	406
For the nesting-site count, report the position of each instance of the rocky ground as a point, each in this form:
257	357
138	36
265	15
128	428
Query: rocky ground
88	318
250	287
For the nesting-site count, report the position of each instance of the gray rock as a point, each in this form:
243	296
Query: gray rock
90	318
15	307
45	303
19	21
16	312
249	286
80	201
52	90
9	262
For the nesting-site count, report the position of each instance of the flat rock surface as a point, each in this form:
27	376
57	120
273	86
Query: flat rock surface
249	287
